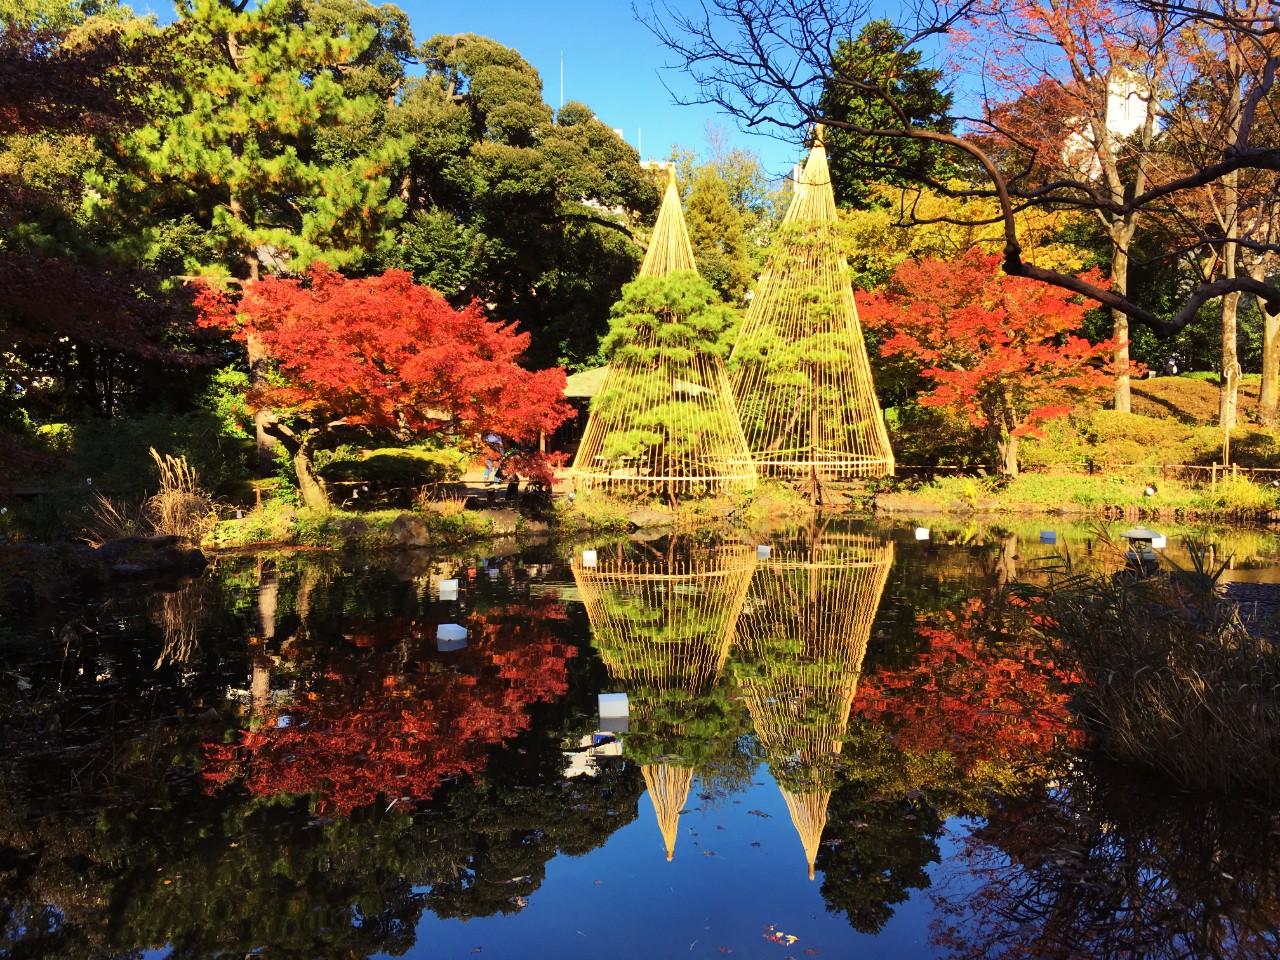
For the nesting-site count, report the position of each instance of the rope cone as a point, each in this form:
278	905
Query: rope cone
668	789
801	378
680	414
663	626
802	641
809	814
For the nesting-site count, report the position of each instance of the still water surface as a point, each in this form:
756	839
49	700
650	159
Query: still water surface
825	751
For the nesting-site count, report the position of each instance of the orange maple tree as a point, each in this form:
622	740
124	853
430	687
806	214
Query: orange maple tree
385	717
979	696
1001	351
387	356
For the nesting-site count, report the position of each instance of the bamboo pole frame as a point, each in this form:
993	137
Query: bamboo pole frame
802	639
666	625
687	408
801	375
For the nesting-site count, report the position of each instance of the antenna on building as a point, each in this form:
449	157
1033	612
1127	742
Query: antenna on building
561	79
640	141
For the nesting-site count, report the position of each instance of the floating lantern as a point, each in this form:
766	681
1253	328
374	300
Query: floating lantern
1048	536
922	533
588	558
763	551
448	589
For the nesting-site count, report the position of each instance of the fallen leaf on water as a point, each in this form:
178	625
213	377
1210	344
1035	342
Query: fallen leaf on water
708	853
759	813
755	843
811	950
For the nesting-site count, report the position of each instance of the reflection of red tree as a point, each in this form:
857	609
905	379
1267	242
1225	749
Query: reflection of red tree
385	716
979	696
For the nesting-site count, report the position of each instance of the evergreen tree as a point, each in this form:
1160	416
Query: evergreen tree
661	336
716	232
874	60
233	141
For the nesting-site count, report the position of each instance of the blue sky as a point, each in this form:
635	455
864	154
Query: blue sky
612	63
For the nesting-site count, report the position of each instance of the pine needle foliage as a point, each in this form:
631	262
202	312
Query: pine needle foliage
801	376
664	421
663	625
810	611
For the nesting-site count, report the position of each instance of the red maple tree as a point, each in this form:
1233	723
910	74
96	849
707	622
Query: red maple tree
386	356
998	350
384	717
980	697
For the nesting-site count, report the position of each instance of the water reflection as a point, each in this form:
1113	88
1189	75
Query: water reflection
284	758
1098	864
664	615
811	607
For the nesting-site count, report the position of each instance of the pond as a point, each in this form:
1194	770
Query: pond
809	746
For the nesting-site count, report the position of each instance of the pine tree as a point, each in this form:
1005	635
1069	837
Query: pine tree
233	139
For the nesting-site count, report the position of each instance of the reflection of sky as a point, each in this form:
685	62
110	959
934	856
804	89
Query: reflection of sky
645	907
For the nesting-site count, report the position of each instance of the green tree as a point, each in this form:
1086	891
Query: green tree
663	333
718	237
868	74
234	140
510	203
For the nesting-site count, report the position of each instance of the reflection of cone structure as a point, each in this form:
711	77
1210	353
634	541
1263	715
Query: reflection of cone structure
802	381
705	450
663	628
802	641
668	789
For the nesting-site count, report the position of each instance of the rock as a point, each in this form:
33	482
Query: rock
160	557
114	550
409	530
504	521
647	517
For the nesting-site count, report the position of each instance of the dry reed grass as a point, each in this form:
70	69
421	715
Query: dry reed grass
180	508
179	615
1170	678
113	519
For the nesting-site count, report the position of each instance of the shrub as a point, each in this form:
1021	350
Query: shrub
1169	678
1237	494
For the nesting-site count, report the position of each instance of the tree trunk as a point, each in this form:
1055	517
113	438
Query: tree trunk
1121	234
1228	393
1007	448
1269	392
310	485
312	488
266	443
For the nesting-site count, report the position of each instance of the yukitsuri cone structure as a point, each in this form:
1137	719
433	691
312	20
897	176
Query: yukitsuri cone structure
663	626
801	375
801	641
664	420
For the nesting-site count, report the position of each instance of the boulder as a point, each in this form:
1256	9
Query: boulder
504	521
409	530
647	517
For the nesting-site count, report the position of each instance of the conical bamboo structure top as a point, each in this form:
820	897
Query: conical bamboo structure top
669	248
802	379
669	787
660	424
802	641
663	626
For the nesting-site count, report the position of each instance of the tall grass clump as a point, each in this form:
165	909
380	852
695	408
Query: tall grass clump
180	508
1170	679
